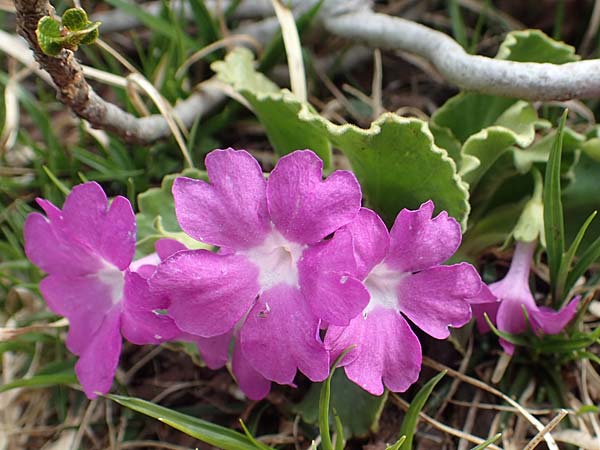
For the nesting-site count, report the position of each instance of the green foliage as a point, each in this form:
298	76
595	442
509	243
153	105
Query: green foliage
358	410
76	29
409	423
535	46
156	218
277	109
210	433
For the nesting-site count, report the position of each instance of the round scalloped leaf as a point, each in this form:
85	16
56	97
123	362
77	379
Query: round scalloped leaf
398	165
75	19
276	109
49	36
535	46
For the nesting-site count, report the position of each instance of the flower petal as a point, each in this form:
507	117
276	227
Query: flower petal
553	322
166	247
141	321
84	214
208	292
231	211
436	298
387	351
85	301
326	279
303	207
252	383
117	240
214	350
98	362
371	240
48	248
418	242
280	335
479	309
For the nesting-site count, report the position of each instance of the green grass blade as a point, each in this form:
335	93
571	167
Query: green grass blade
207	29
203	430
458	24
553	211
562	287
409	424
257	444
339	428
586	260
397	444
324	400
39	381
487	443
155	23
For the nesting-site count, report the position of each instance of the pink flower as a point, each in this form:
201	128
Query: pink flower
86	250
384	277
264	227
213	350
514	298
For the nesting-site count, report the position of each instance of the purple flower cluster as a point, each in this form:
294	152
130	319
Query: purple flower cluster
301	274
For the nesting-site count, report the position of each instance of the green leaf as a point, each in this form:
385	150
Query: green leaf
585	261
157	218
42	380
487	443
531	222
553	211
409	423
398	165
49	36
535	46
358	410
539	152
208	432
466	113
397	445
75	19
564	283
76	29
515	126
276	109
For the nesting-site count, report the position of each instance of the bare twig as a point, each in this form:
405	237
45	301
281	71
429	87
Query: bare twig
529	81
74	91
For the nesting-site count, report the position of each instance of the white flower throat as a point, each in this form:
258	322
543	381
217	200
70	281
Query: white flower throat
382	283
277	260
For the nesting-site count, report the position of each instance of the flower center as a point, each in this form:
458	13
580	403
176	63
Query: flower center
115	279
382	284
277	260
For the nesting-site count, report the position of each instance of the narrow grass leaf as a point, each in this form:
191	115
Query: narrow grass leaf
409	424
59	184
212	434
562	287
340	441
397	444
587	258
156	23
512	338
553	211
257	444
40	381
487	443
207	30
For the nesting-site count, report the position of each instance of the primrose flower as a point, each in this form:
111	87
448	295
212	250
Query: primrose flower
263	228
514	299
86	250
400	276
214	350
